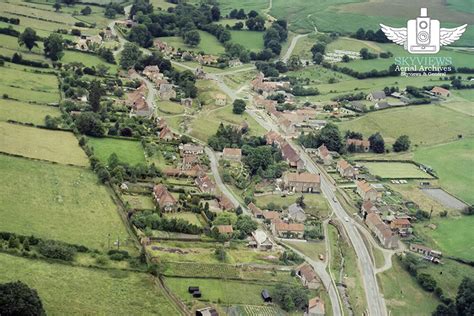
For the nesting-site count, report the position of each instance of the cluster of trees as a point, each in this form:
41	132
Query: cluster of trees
275	35
112	9
263	160
16	298
392	71
56	250
370	35
270	69
299	90
54	46
14	21
289	257
464	303
349	97
365	54
402	143
226	136
318	50
291	297
328	135
151	220
238	106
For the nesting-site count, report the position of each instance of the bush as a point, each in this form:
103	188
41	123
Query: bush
56	250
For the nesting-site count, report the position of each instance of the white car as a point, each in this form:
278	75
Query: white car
346	219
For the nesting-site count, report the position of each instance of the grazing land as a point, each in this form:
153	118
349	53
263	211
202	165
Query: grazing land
128	151
453	173
57	202
443	124
251	40
66	290
88	60
26	112
56	146
396	170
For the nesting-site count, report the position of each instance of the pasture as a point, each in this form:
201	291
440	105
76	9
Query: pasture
26	112
209	44
224	291
128	151
88	60
452	163
425	124
395	170
192	218
56	146
66	290
251	40
57	202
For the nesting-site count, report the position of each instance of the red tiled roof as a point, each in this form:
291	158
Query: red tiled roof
225	229
305	177
232	152
293	227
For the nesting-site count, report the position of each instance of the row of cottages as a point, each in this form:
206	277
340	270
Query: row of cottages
308	276
367	191
234	154
164	199
383	232
425	251
268	87
274	138
287	230
153	73
190	149
324	154
400	225
291	156
358	145
302	182
137	102
346	170
262	103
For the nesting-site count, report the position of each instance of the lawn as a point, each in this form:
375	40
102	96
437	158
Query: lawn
57	202
57	146
87	59
403	295
395	170
192	218
66	290
26	112
252	40
455	175
309	248
128	151
169	108
222	291
209	43
425	124
316	204
141	202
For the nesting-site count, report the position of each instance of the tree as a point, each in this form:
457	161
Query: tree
140	35
130	55
192	38
318	48
95	94
26	244
90	124
86	11
364	53
220	254
377	144
238	107
331	137
402	143
360	34
13	242
28	38
241	14
426	281
54	46
465	297
290	297
16	298
252	14
294	63
215	13
445	310
346	59
318	58
57	6
246	225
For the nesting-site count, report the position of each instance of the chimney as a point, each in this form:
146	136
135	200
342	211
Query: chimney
423	12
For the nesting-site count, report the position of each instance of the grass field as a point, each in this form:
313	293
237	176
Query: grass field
169	108
456	174
315	203
128	151
403	296
251	40
309	248
453	236
140	201
192	218
395	170
57	202
87	59
224	291
209	43
425	125
26	112
57	146
66	290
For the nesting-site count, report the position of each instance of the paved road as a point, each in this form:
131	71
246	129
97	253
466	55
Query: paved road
121	40
292	46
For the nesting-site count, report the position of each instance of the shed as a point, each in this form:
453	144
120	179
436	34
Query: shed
197	294
193	289
266	296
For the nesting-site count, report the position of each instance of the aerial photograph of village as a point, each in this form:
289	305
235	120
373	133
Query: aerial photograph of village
237	157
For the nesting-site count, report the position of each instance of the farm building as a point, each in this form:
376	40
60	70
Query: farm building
316	307
286	230
345	169
302	182
324	154
191	149
266	296
308	276
296	213
442	92
260	240
376	96
207	311
220	99
232	154
256	211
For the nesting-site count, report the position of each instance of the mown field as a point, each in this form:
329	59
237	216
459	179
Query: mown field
395	170
349	15
127	151
453	163
249	39
57	146
26	112
57	202
66	290
425	124
192	218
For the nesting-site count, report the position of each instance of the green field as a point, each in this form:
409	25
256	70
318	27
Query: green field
169	108
249	39
57	202
226	292
87	59
395	170
349	15
128	151
453	163
26	112
192	218
309	248
403	296
425	124
209	43
140	201
315	203
66	290
57	146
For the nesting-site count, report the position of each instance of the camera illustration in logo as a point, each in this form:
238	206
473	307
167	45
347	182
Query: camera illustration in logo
423	35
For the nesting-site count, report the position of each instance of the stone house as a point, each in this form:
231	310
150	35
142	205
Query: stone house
287	230
308	276
382	231
163	198
345	169
376	96
302	182
324	154
166	92
367	191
